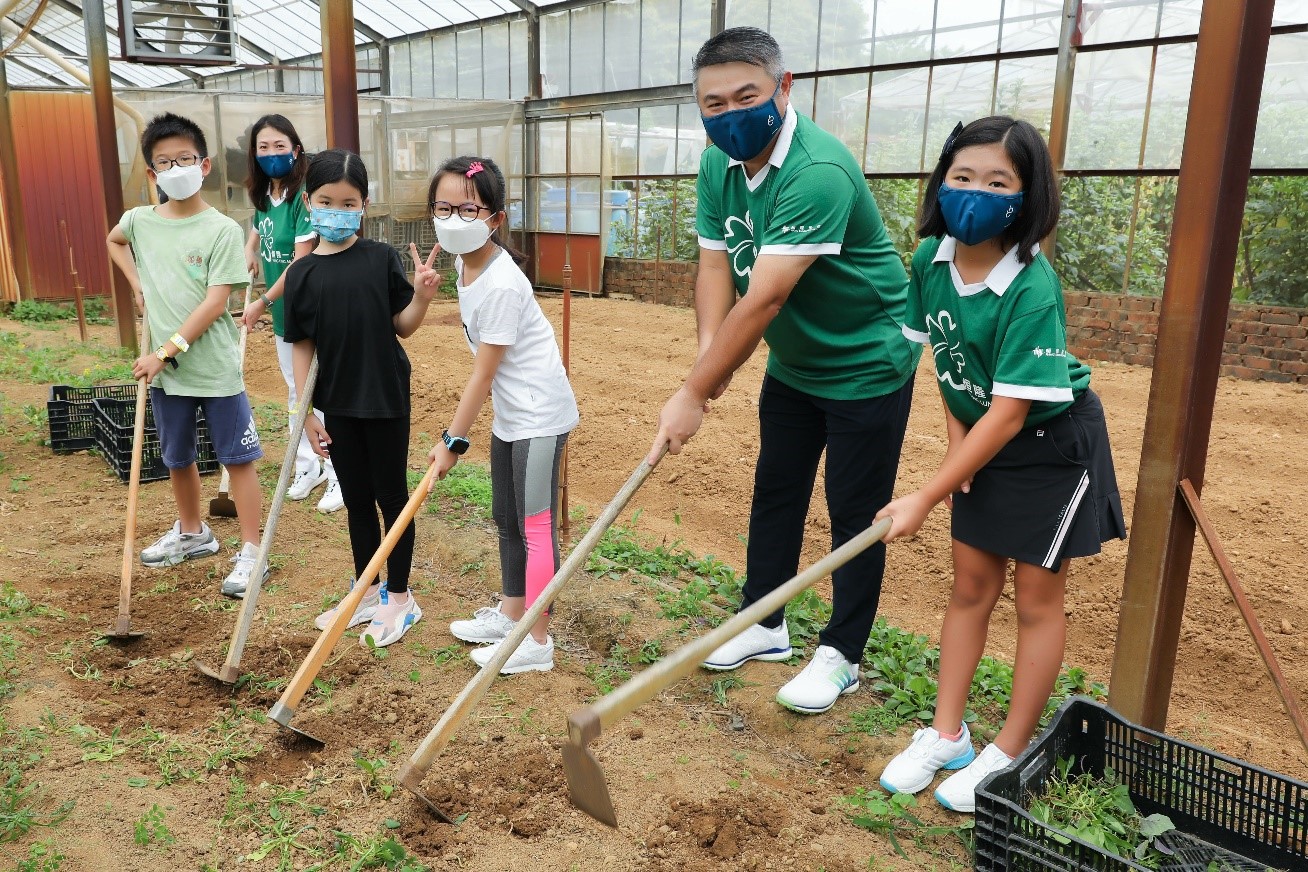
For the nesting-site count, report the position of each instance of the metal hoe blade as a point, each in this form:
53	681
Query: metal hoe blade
225	674
411	780
123	632
282	715
586	783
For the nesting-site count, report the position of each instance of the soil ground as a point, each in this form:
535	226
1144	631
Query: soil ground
698	783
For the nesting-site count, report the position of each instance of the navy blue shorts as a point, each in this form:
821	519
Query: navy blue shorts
231	428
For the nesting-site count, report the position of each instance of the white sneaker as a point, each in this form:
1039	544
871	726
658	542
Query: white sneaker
362	615
756	643
332	500
958	791
826	677
487	625
238	580
388	625
175	546
531	656
915	766
305	481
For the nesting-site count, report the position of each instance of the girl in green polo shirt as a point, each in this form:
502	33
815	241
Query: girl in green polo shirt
280	235
1027	473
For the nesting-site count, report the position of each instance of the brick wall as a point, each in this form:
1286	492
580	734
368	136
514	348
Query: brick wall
1262	342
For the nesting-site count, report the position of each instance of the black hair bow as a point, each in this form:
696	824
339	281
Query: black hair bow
949	142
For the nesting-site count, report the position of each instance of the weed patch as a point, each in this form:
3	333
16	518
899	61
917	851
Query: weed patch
465	490
892	815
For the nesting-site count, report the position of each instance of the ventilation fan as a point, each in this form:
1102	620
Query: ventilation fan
191	32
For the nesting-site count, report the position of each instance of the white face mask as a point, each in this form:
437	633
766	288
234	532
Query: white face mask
181	182
460	237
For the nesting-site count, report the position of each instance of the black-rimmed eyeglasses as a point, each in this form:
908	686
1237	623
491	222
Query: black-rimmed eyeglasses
466	211
164	164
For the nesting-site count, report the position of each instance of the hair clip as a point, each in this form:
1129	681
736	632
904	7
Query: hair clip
474	168
949	142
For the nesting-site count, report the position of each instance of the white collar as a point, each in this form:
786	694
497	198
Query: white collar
778	156
1001	274
277	201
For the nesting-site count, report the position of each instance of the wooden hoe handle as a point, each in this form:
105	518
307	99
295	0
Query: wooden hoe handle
133	497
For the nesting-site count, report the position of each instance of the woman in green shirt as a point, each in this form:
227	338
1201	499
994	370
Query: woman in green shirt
280	235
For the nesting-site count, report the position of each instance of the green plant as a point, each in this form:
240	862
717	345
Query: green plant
19	812
41	312
892	816
151	829
465	489
372	771
41	857
874	720
720	686
1098	811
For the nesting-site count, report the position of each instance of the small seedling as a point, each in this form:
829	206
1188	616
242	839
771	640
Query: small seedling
151	829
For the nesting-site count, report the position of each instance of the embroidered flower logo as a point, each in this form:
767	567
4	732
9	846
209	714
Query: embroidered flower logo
742	252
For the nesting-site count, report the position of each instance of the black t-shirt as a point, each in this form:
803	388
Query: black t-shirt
345	303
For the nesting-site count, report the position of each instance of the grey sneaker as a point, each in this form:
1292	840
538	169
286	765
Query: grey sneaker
175	546
487	625
238	580
362	615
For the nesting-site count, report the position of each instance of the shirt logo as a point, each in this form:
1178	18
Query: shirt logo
742	251
1049	352
800	228
942	325
194	260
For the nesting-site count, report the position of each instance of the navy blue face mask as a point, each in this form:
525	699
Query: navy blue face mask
744	133
276	166
974	216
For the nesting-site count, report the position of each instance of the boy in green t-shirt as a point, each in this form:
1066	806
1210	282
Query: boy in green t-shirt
183	261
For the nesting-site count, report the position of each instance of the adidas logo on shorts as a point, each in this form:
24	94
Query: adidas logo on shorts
251	437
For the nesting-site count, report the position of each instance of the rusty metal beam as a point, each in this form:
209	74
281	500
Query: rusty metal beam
1219	134
106	134
340	75
16	217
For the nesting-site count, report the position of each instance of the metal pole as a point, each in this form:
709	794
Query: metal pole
534	90
564	521
1214	180
15	217
1069	38
106	134
340	74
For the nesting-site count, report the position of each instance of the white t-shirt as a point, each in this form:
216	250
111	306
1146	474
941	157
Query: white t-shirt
530	394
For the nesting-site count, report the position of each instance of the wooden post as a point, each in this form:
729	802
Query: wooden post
340	74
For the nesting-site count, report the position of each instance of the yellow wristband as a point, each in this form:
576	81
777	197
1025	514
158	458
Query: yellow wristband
181	343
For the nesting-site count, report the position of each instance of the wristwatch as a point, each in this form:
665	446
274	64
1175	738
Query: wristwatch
163	356
456	444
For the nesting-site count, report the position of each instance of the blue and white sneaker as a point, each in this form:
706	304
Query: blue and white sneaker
913	768
958	791
824	680
755	643
391	621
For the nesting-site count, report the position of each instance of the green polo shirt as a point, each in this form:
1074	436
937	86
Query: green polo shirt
283	225
1005	336
838	336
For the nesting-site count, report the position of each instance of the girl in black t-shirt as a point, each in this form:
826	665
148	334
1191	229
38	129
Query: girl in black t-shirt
348	302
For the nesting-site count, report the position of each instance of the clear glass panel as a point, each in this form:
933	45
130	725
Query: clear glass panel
446	62
967	27
1290	12
621	44
466	141
1153	234
553	147
798	36
694	33
1093	228
401	70
1115	22
897	200
519	86
1107	115
468	64
1270	264
588	50
551	195
622	236
745	12
896	121
495	62
903	31
622	126
585	144
1024	88
801	96
1180	18
691	138
660	25
841	109
1279	140
658	140
586	206
959	92
845	38
423	73
658	223
1169	106
1031	24
555	53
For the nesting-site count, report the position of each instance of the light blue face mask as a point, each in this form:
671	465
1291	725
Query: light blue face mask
974	216
335	225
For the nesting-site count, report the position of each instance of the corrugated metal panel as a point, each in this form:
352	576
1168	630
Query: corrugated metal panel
54	141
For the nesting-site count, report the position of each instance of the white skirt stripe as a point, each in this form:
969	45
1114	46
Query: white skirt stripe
1050	561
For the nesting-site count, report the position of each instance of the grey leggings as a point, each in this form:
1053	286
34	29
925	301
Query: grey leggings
524	485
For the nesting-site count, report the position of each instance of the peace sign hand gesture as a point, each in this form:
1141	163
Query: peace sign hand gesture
424	277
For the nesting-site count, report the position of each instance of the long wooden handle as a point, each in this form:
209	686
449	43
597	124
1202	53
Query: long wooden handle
133	495
685	659
284	709
226	479
466	701
237	646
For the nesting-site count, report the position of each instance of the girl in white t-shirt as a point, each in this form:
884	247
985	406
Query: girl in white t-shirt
516	360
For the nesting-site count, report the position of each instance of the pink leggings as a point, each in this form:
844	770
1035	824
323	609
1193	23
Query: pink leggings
524	485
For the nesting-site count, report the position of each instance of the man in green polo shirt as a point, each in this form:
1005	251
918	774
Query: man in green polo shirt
793	251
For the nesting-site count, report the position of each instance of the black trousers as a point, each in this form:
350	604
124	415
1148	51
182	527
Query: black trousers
371	457
862	439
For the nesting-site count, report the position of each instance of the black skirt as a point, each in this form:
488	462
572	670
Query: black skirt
1048	495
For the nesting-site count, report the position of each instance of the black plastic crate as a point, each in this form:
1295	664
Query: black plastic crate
72	417
1226	811
115	422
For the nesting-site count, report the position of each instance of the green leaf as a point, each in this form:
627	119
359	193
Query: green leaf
138	782
392	824
1155	825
